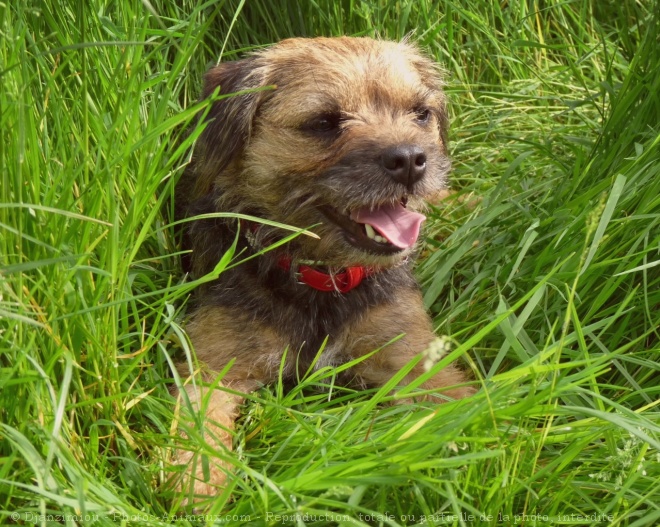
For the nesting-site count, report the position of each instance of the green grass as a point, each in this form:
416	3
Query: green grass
548	284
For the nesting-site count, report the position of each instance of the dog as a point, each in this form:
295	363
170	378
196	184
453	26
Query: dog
345	137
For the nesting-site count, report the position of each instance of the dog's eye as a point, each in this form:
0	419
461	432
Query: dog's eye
422	115
328	122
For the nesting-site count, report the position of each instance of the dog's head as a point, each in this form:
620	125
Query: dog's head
348	134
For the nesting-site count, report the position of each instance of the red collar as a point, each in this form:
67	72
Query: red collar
342	282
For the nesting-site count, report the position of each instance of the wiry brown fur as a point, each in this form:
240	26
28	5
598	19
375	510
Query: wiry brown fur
262	154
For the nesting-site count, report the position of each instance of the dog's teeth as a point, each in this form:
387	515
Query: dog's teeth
371	234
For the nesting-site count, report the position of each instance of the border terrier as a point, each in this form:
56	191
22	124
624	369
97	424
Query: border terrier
344	136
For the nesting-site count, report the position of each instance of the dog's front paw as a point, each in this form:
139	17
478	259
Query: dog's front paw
202	473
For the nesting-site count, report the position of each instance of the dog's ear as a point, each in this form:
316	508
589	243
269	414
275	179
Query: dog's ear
229	121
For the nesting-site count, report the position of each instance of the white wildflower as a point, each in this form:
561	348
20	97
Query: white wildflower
437	349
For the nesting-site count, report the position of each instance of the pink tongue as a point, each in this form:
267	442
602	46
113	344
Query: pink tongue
399	226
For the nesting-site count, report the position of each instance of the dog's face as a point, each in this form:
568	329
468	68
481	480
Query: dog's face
348	134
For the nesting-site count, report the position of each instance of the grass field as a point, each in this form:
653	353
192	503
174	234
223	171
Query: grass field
548	284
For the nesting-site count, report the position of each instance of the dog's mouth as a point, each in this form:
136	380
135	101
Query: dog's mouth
386	229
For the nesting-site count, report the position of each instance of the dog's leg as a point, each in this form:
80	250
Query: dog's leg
219	336
218	410
383	323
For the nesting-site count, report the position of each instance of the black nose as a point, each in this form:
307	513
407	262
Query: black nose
406	164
